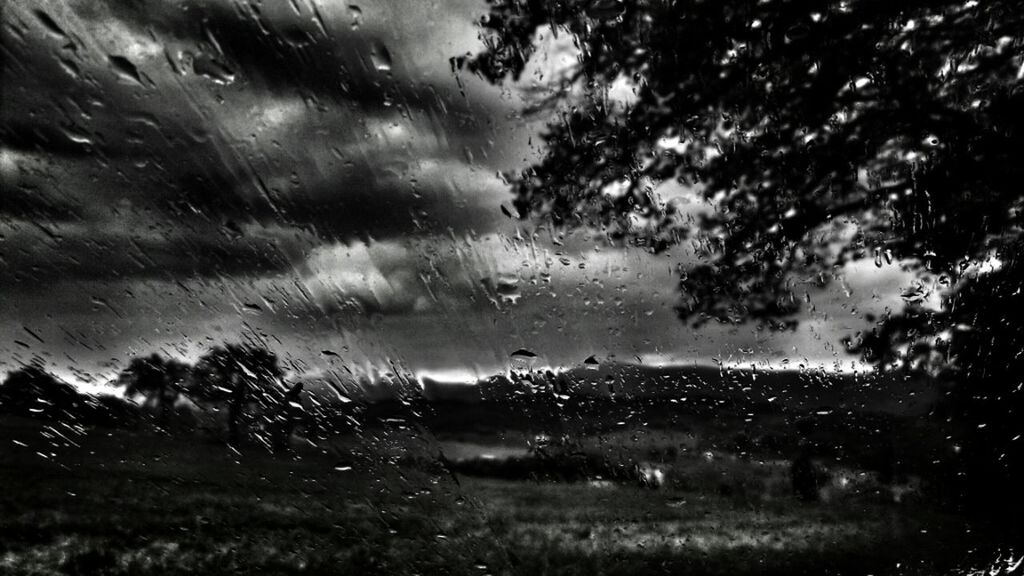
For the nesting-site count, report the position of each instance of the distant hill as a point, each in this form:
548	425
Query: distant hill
32	392
805	390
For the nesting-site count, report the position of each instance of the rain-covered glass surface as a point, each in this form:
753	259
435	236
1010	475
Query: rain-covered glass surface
511	287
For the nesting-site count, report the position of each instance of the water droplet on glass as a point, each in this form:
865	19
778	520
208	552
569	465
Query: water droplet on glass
125	69
356	13
381	57
213	69
50	24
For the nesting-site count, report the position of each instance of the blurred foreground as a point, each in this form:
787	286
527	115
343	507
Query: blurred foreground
397	501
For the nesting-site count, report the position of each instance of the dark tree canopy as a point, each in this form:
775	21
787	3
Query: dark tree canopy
32	391
238	375
818	133
160	380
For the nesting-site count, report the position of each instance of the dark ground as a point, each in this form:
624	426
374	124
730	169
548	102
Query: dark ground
135	502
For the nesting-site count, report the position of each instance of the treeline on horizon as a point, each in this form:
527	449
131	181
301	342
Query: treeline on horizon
239	391
241	385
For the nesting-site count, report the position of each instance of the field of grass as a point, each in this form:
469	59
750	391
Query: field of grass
117	502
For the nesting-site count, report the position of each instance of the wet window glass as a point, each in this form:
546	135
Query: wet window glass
511	287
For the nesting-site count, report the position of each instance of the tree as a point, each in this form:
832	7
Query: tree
818	133
286	416
34	392
976	343
238	375
160	380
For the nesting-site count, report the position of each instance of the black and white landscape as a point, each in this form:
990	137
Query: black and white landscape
511	287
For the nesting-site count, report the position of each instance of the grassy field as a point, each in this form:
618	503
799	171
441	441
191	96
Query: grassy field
117	502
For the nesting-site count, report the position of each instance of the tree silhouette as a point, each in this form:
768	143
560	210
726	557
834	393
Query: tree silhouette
238	375
975	343
34	392
285	417
160	380
817	133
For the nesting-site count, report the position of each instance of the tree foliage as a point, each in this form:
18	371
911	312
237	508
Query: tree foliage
32	391
818	133
238	375
160	380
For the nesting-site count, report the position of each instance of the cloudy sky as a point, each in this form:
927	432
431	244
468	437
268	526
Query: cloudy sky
182	173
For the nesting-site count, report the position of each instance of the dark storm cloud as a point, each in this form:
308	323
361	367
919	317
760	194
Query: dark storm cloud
273	54
68	223
289	52
38	258
153	225
156	106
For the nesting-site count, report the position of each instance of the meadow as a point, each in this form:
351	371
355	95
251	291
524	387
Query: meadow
106	501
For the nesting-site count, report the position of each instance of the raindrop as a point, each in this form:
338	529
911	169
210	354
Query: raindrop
381	57
508	289
915	294
77	138
209	67
232	230
125	69
49	24
357	15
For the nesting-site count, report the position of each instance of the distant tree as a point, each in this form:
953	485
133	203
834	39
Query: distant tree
160	380
287	414
34	392
238	375
975	343
818	133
